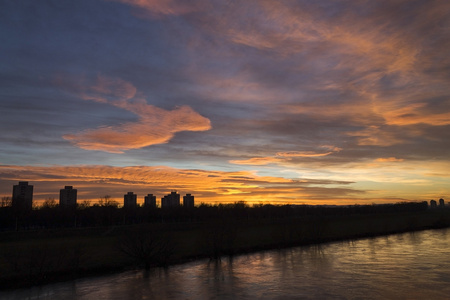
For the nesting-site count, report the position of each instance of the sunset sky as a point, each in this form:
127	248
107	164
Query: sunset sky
300	102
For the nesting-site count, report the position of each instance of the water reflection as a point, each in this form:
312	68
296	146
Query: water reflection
410	265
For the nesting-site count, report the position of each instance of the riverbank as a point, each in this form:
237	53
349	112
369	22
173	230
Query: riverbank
38	257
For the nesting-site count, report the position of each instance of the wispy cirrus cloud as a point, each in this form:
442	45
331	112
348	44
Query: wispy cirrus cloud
377	72
332	149
282	157
154	125
257	161
417	113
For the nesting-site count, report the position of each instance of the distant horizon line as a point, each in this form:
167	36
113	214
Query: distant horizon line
117	199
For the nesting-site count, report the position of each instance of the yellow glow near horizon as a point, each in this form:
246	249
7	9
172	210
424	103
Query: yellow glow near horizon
94	182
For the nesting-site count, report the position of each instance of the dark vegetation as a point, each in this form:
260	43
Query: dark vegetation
52	243
108	213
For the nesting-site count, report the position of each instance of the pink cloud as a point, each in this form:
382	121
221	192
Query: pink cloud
160	7
154	125
282	157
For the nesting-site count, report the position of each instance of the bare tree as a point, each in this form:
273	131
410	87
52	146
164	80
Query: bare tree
220	238
85	204
106	201
6	201
49	203
147	247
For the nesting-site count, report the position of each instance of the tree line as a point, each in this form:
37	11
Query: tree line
108	213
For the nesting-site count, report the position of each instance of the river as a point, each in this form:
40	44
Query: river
403	266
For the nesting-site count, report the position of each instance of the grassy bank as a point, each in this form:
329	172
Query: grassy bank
36	257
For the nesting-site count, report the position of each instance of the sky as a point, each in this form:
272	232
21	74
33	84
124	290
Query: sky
264	101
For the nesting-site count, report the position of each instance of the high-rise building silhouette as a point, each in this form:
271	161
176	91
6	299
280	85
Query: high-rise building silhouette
170	200
150	201
188	200
22	197
129	200
68	197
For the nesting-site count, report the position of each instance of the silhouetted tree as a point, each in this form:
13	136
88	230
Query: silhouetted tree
6	202
107	201
85	204
220	238
147	247
49	203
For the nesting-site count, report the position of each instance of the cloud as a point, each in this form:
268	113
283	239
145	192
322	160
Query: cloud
256	161
106	89
302	154
154	125
290	29
389	159
283	157
94	181
416	113
155	8
377	136
310	153
373	75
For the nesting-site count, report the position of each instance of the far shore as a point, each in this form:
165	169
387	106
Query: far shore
36	257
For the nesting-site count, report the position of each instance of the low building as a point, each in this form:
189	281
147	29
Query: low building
22	196
130	200
188	200
170	200
68	197
150	201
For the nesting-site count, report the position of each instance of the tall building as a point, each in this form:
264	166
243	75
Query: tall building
170	200
150	201
129	200
188	200
22	197
68	197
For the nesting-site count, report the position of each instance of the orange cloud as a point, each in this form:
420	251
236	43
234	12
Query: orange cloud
257	161
376	136
291	28
360	47
154	125
94	182
310	153
389	159
415	113
302	154
282	157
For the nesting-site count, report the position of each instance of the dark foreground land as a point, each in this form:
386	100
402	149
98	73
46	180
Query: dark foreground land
37	255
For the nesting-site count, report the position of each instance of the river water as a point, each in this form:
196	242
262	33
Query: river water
402	266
